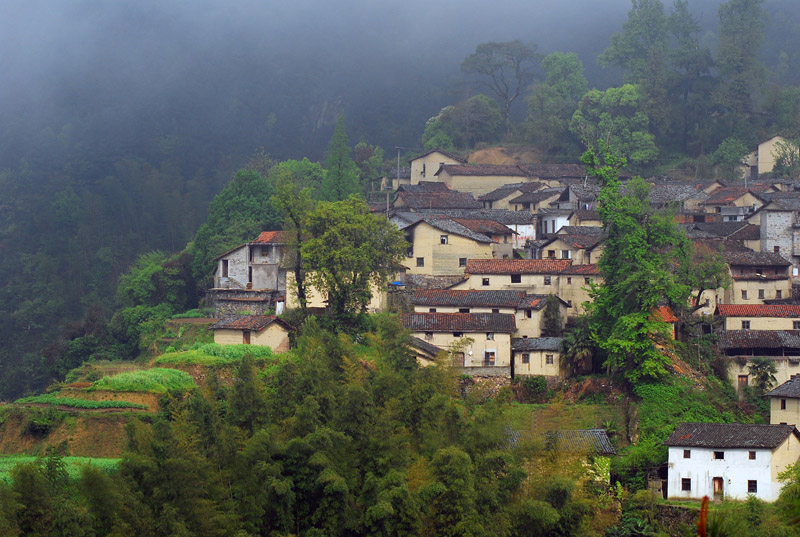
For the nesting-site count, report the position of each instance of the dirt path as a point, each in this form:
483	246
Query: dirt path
72	409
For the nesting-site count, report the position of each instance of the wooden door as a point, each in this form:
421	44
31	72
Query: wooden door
718	488
246	337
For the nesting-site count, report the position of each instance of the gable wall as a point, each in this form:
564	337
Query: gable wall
431	164
790	415
443	259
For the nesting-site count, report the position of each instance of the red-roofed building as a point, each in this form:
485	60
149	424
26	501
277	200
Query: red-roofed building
760	316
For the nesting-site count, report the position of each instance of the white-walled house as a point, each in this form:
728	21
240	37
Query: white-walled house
729	460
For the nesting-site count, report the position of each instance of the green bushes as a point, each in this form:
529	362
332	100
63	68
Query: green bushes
73	464
156	380
51	399
216	354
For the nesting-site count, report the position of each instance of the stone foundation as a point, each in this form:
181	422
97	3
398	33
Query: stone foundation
253	301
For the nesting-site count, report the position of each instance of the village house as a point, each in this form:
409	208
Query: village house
500	197
759	316
740	346
432	196
756	277
581	244
784	402
426	165
762	159
536	356
538	276
527	309
441	246
729	460
263	330
574	284
780	229
317	301
255	264
487	349
479	179
731	204
534	202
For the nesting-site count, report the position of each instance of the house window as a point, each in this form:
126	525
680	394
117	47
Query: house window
587	281
420	261
249	274
458	334
548	359
761	294
566	254
752	486
569	303
551	254
795	325
495	310
463	310
686	484
462	261
265	251
526	358
776	249
489	336
488	358
783	404
431	310
687	453
428	336
443	239
742	382
547	280
485	282
569	280
719	455
528	313
516	278
744	294
778	294
751	455
745	325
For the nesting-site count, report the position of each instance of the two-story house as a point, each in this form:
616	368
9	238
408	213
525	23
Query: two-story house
729	460
426	165
759	316
756	277
538	276
255	264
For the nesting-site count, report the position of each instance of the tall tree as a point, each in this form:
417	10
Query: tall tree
742	25
639	263
347	249
641	49
552	322
478	119
341	173
509	68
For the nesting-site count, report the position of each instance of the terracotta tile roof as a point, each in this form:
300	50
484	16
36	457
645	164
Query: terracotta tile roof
664	314
254	323
478	170
759	310
443	152
582	270
729	435
272	237
517	266
790	388
755	259
523	344
459	322
448	297
582	441
757	339
536	302
438	200
714	229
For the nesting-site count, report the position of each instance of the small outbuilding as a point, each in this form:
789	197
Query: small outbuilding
266	330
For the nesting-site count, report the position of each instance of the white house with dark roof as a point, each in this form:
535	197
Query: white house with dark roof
255	264
729	460
536	356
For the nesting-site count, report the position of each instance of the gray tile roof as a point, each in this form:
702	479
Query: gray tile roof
459	322
449	297
675	192
424	346
729	435
754	259
790	389
502	192
758	339
582	441
503	216
450	226
535	344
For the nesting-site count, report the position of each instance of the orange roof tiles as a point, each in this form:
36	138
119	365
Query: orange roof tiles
759	310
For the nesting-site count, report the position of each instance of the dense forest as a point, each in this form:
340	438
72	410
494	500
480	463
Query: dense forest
105	156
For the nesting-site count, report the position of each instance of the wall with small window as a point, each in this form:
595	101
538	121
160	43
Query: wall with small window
539	362
786	366
443	254
497	344
761	323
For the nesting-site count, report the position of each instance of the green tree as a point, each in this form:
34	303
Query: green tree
304	174
341	173
641	49
639	263
478	119
616	117
729	156
347	249
577	348
369	160
787	160
742	26
763	370
508	69
552	322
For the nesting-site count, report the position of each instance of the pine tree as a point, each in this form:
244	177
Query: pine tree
341	173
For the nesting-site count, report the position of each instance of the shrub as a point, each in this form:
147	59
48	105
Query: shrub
51	399
40	421
156	380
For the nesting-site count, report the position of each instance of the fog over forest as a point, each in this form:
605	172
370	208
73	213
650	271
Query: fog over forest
264	73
